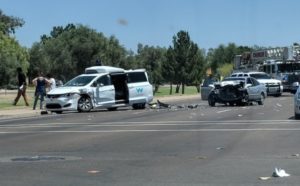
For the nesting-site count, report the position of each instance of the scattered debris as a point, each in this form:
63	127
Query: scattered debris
265	178
161	105
93	171
193	106
280	173
201	157
240	115
153	106
278	105
296	155
220	148
43	112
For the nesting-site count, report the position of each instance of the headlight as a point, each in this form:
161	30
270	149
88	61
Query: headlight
67	95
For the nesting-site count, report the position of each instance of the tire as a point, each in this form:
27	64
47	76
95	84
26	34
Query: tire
139	106
211	100
231	103
297	116
246	98
112	108
261	101
84	104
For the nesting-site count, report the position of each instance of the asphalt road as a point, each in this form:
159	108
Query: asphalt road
219	145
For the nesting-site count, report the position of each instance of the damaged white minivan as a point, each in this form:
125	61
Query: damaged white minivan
102	87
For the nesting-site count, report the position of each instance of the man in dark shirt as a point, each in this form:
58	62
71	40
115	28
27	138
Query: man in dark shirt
22	87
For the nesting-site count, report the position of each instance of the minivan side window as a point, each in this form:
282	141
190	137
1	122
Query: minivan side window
104	80
137	77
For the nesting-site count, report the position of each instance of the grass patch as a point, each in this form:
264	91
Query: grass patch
165	91
7	99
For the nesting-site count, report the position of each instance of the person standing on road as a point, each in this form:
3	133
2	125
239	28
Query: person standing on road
52	81
40	83
22	87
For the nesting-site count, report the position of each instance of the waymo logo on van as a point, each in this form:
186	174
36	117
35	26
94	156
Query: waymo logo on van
139	90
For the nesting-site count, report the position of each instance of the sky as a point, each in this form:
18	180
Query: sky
268	23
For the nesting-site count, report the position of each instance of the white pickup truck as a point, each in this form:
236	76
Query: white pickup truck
274	86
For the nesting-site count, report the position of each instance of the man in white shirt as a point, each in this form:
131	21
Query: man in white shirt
52	82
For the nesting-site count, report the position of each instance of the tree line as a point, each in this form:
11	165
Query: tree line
67	50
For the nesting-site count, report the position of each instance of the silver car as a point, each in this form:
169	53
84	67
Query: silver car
297	104
206	87
237	90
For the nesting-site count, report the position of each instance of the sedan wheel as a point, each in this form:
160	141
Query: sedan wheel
262	98
211	100
297	116
84	104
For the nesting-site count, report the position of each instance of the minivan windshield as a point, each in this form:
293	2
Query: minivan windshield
79	81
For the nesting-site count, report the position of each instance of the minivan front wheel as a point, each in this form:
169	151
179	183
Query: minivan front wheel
84	104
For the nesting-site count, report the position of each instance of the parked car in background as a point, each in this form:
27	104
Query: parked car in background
206	87
237	91
274	86
294	87
297	104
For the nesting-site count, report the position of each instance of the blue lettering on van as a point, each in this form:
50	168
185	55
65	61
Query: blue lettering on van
139	90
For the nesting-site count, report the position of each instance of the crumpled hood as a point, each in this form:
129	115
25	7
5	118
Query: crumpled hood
64	90
224	83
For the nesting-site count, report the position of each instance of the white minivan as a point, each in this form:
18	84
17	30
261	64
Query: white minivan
102	87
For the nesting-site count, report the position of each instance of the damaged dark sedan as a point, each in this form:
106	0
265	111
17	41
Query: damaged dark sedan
237	91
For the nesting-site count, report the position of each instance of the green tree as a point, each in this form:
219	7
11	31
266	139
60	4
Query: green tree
187	60
68	50
12	55
224	55
8	24
151	58
225	69
168	68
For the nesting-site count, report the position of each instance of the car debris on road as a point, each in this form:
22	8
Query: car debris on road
161	105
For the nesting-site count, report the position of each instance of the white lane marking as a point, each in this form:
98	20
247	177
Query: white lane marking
155	130
159	123
142	124
221	111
